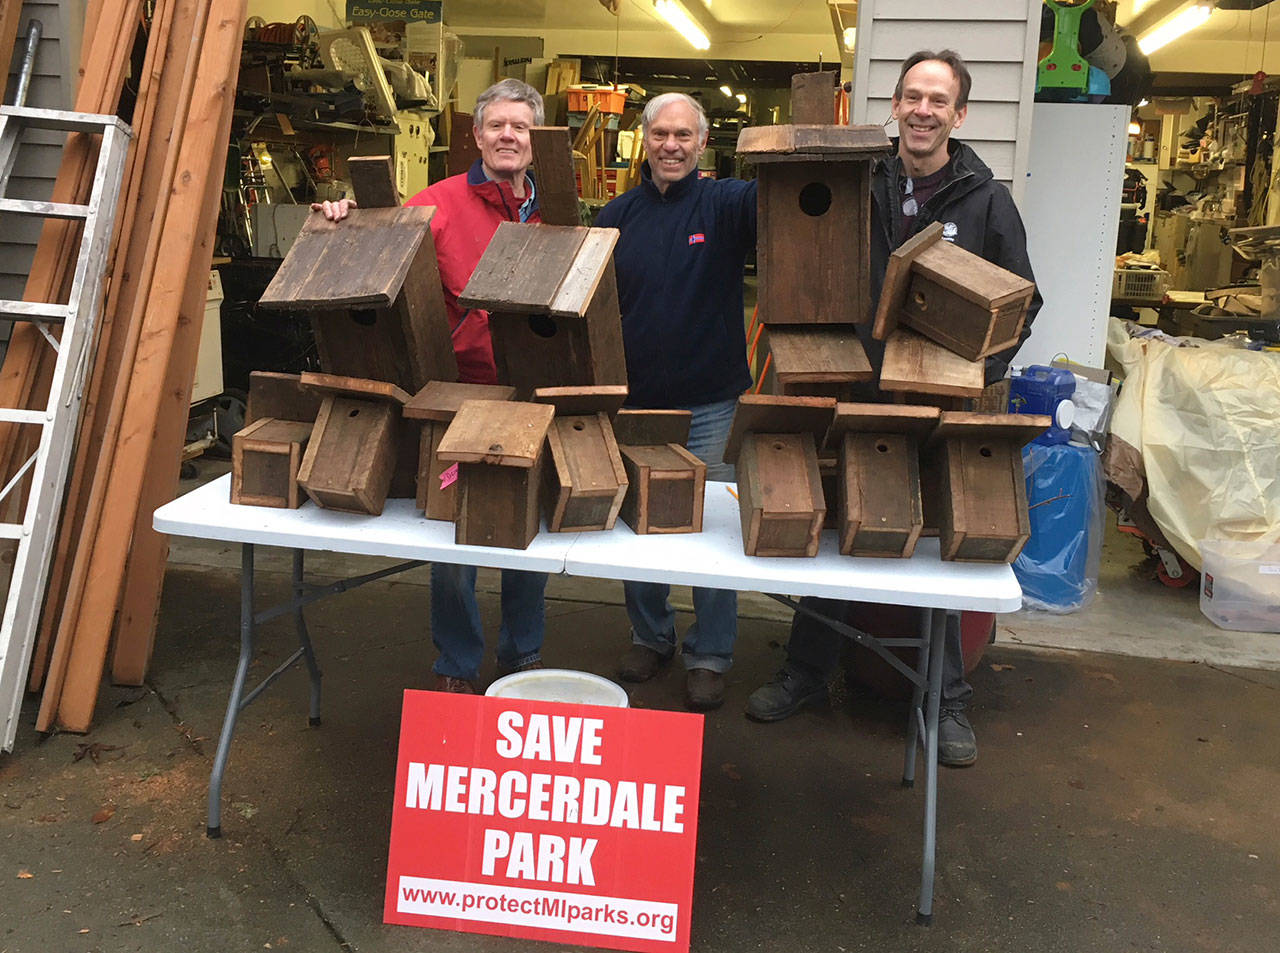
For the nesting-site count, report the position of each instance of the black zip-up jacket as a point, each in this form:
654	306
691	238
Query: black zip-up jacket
976	212
679	262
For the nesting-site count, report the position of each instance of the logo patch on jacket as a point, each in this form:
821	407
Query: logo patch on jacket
949	231
697	238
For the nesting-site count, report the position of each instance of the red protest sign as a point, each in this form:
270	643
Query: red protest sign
570	823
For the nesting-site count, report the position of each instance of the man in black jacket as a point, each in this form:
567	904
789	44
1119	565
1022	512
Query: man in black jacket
932	178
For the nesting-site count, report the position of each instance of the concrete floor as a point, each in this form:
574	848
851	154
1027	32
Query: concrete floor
1120	802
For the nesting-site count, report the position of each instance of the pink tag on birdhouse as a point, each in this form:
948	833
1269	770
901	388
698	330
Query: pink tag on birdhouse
449	477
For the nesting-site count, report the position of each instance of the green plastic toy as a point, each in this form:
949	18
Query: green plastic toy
1064	68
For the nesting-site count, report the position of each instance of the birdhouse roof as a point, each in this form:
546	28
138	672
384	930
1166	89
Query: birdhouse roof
535	269
816	143
360	262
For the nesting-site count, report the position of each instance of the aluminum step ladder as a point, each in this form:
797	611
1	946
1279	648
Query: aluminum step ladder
35	534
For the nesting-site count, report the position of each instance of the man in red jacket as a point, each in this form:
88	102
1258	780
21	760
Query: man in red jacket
469	207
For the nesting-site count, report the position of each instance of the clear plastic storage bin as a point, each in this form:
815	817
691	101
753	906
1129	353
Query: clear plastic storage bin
1240	584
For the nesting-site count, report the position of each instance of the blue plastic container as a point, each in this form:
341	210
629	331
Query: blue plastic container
1058	568
1043	390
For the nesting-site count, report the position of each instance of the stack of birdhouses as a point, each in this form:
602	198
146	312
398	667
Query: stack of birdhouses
494	459
881	475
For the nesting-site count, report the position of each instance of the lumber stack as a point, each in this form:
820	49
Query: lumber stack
108	563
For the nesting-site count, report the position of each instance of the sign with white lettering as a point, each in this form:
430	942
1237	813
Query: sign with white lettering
570	823
411	11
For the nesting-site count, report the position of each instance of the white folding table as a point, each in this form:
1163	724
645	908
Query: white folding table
712	558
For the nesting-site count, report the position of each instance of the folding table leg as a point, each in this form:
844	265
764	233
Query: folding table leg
304	639
214	828
939	620
915	718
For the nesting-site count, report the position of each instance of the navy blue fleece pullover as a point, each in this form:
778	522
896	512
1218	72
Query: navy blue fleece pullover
679	262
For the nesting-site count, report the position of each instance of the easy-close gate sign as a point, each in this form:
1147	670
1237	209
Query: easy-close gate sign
570	823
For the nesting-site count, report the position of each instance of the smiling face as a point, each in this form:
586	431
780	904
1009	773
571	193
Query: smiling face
503	138
926	113
673	144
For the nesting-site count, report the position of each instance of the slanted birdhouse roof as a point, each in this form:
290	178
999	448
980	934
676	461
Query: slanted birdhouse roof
540	269
360	262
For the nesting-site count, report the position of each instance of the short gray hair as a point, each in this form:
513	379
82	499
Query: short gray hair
509	91
659	103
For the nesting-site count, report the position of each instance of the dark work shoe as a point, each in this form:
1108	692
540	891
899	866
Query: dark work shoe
784	696
957	747
704	689
641	663
456	686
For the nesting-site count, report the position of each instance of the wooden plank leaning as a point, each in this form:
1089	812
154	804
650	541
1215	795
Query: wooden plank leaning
28	361
176	31
156	165
199	159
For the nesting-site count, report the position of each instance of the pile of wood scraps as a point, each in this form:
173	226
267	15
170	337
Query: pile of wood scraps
104	584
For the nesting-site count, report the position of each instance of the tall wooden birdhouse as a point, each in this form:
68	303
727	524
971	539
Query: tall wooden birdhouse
774	445
952	296
584	481
553	306
498	446
879	512
973	487
434	408
372	288
813	220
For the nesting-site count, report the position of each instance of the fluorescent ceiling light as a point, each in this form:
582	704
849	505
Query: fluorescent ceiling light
742	98
682	23
1186	19
1143	102
727	91
850	34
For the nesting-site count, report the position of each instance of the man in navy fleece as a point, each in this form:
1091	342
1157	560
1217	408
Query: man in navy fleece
679	260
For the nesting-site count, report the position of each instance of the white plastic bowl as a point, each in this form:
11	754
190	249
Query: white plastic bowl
560	685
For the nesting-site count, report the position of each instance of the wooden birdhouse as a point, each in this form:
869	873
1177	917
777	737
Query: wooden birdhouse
952	296
666	483
553	306
498	446
879	512
435	406
817	360
927	372
649	428
584	480
267	452
351	456
813	220
774	443
973	487
372	288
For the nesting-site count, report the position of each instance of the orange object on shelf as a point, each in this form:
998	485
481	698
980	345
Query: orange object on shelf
609	99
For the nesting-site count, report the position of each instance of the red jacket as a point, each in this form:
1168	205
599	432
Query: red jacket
469	209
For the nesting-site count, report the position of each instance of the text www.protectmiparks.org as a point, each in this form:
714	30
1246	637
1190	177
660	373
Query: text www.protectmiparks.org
549	909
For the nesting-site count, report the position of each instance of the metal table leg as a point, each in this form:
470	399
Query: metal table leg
939	620
234	703
303	595
304	639
915	714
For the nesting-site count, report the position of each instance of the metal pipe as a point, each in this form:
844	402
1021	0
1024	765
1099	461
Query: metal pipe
34	29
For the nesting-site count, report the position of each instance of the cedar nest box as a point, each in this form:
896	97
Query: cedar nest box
814	220
553	306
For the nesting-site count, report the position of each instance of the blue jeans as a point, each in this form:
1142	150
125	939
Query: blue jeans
455	620
814	648
708	643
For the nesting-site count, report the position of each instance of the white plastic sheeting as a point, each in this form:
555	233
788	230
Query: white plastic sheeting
1206	421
